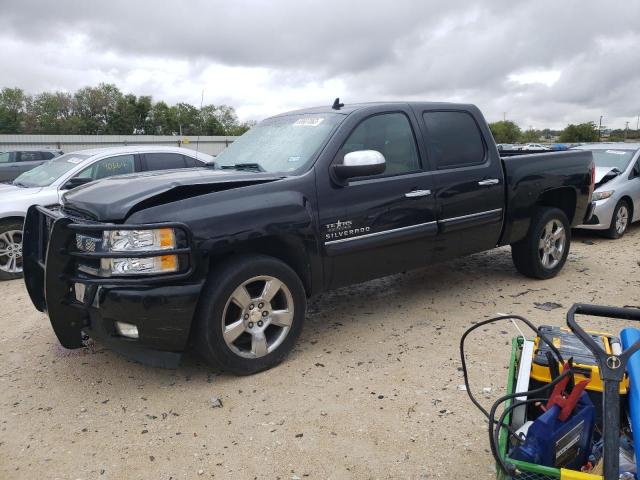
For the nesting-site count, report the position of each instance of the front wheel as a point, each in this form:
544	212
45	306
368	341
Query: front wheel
620	220
250	314
543	252
10	250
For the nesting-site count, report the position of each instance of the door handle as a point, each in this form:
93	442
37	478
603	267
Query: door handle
489	181
417	193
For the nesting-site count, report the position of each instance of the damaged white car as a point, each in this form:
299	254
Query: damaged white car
617	193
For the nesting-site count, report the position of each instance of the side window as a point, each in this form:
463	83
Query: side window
107	167
636	169
454	139
46	155
5	157
164	161
392	136
193	162
29	156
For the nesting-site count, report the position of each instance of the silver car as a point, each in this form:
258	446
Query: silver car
45	185
617	192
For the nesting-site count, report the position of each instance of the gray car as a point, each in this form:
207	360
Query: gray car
16	162
617	192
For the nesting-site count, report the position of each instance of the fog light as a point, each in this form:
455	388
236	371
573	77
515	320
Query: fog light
127	330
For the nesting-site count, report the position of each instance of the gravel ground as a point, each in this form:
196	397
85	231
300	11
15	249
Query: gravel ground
371	391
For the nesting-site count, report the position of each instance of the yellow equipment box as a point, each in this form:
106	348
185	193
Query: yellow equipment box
570	346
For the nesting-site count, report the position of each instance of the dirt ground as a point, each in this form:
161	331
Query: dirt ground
371	391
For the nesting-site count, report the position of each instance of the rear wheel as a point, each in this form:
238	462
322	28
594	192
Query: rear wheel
543	252
10	250
250	314
620	220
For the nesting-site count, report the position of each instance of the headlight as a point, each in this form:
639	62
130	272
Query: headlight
601	195
140	266
139	240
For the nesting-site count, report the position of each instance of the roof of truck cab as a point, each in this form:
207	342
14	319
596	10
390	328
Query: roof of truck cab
352	107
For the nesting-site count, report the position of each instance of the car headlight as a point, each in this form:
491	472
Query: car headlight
139	240
602	195
140	266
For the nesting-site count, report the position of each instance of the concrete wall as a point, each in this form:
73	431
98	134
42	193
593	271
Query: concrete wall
70	143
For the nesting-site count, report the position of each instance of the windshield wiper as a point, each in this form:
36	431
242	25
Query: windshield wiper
19	184
249	167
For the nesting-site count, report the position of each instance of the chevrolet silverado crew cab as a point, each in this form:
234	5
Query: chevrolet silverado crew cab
223	258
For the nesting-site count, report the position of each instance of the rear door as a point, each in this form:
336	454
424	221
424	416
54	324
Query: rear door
468	181
373	226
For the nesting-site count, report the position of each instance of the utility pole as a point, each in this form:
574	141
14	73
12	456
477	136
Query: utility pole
600	128
626	130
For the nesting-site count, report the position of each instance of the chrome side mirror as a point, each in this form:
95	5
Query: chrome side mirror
361	163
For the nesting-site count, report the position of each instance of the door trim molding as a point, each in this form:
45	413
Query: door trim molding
384	237
473	219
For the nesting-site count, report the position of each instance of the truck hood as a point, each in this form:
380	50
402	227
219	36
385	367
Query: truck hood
604	175
115	198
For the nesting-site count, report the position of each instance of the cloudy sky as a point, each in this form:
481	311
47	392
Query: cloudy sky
540	63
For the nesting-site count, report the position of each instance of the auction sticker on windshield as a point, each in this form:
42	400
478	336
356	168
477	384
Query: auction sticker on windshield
617	152
308	122
74	160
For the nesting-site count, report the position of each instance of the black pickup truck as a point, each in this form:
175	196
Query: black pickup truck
223	259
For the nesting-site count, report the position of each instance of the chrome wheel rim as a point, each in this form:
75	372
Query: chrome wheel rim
11	251
622	219
552	244
257	317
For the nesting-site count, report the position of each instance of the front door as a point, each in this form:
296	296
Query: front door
384	224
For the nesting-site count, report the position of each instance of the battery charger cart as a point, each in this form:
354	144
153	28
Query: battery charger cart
611	367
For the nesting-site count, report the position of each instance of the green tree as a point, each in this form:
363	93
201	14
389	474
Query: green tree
583	132
13	102
505	131
49	113
94	106
530	135
161	120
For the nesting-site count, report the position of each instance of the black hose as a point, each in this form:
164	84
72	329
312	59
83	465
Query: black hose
543	338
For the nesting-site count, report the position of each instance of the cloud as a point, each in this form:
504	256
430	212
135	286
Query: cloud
544	63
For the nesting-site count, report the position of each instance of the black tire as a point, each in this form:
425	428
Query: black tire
528	254
613	232
5	228
217	292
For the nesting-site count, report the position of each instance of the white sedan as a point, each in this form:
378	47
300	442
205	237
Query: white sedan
44	185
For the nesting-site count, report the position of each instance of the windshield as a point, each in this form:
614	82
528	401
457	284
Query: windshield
612	158
280	144
49	172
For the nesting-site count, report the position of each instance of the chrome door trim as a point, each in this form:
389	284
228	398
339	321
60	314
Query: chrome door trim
377	234
471	215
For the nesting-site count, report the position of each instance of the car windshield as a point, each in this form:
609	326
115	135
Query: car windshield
280	144
612	158
49	172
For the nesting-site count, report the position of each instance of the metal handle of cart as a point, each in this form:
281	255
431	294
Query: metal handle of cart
612	368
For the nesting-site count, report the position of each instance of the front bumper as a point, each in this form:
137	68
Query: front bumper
601	215
161	307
